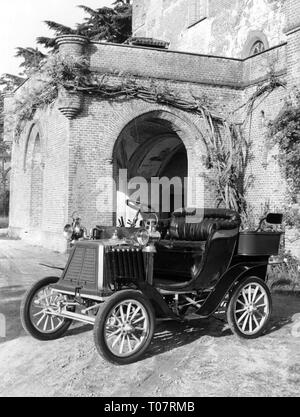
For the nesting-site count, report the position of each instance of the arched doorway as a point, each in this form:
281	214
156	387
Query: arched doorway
36	196
150	163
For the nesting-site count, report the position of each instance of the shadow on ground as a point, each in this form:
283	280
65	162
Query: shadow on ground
168	335
10	301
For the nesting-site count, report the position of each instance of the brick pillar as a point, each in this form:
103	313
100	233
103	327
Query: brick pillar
292	30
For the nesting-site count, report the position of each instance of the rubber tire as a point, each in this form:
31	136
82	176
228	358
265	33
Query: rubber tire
230	309
101	319
25	316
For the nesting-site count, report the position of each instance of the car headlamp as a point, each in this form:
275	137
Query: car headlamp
142	236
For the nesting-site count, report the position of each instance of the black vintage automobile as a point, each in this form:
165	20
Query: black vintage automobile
122	280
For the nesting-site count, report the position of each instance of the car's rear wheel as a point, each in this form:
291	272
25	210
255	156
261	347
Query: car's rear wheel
249	309
124	327
36	308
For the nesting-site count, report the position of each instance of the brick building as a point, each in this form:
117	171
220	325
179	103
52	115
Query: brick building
64	159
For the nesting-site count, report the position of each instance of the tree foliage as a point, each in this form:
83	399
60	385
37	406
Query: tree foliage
229	155
8	82
111	24
285	131
32	58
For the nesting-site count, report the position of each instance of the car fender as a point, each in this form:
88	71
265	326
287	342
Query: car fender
160	306
228	281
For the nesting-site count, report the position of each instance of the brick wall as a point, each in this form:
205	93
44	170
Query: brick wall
168	65
256	68
228	29
293	35
38	213
75	162
93	137
292	11
269	185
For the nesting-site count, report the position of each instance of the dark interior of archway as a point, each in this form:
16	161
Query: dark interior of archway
150	147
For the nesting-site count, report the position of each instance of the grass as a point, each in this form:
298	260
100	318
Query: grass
285	276
3	222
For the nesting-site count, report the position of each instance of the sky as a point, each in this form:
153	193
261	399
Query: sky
22	23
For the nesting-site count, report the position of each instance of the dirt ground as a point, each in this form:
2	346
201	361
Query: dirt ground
200	359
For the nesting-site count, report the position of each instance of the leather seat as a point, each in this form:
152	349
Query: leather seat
181	259
197	225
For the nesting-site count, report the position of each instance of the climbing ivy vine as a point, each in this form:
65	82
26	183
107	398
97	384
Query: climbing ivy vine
229	153
285	132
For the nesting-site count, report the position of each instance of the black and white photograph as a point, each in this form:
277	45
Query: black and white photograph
150	201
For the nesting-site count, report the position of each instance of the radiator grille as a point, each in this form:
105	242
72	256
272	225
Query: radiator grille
82	267
73	272
126	264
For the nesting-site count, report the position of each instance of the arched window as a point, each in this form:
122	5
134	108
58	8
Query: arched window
256	43
257	48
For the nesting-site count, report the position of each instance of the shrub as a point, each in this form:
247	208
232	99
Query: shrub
286	274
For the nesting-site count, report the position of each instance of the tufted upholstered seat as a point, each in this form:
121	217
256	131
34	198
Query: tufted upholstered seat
198	224
188	257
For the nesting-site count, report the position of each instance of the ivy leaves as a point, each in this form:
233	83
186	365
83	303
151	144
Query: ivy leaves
285	132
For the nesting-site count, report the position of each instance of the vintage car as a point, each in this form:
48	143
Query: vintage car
122	280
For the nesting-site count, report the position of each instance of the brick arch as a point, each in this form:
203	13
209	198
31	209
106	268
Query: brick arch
33	166
34	130
187	126
36	186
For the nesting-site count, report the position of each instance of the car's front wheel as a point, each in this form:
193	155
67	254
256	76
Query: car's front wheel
249	309
124	327
36	307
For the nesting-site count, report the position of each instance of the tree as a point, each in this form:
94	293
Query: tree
32	59
8	82
112	24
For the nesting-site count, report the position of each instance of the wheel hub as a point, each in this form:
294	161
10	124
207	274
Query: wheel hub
251	309
127	328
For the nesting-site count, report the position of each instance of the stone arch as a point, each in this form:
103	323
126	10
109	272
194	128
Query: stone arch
254	36
181	136
34	129
187	126
36	197
33	166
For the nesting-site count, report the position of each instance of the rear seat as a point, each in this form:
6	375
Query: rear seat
198	224
180	257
